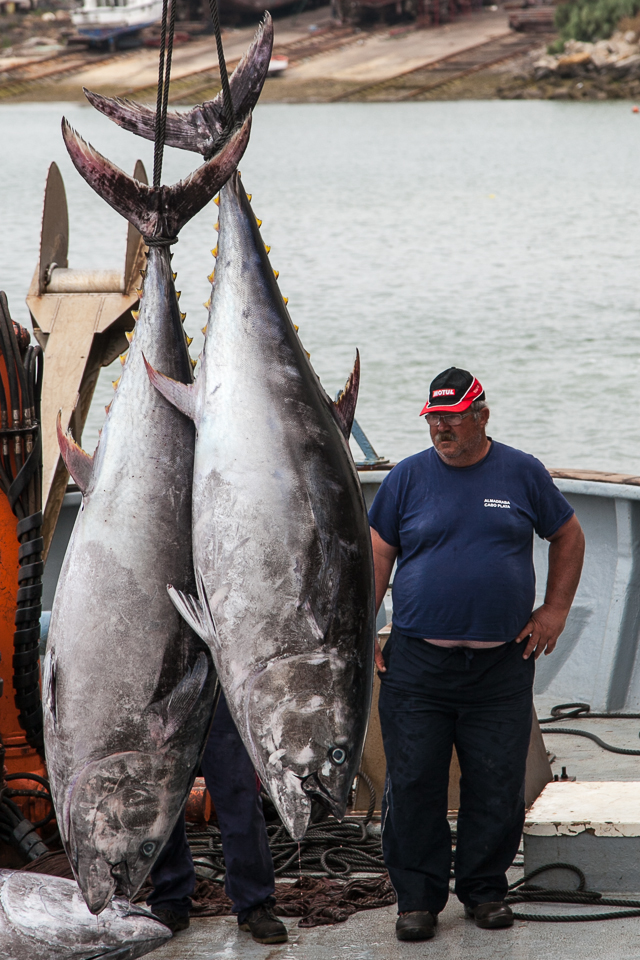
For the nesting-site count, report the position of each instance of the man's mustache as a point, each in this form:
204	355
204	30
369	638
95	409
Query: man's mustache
445	435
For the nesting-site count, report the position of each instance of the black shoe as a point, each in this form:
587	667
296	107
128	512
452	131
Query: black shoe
416	925
172	919
263	926
491	916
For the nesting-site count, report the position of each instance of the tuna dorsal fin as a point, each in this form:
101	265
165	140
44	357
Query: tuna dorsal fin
174	709
78	463
156	212
344	408
184	396
197	613
202	129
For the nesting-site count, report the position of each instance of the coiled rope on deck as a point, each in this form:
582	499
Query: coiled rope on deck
329	848
531	894
569	711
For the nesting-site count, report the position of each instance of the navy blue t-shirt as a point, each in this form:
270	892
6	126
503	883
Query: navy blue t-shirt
465	541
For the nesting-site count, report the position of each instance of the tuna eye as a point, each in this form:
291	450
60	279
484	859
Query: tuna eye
337	755
148	849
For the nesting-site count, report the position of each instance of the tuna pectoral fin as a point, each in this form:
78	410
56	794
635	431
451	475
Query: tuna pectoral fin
344	408
197	613
174	709
182	395
156	212
202	129
78	463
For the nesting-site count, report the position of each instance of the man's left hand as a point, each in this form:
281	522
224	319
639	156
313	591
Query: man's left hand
542	631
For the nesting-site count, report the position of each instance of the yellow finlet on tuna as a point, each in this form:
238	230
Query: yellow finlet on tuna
183	317
216	226
214	252
259	222
174	275
204	329
276	274
211	276
286	300
267	248
139	294
178	294
114	383
123	358
296	328
189	340
135	314
129	335
107	408
207	304
249	195
194	363
216	200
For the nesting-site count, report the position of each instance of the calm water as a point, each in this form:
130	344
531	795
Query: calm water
501	237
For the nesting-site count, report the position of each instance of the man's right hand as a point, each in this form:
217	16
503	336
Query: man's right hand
379	658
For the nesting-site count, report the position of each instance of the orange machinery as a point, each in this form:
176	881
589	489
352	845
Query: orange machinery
21	567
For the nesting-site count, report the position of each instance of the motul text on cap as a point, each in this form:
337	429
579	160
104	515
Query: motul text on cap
452	391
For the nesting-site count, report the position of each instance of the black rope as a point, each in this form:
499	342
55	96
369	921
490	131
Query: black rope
15	829
582	711
530	894
329	848
574	711
164	78
592	736
224	78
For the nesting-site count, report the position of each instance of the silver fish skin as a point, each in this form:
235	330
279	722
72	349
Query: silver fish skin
46	918
128	688
281	540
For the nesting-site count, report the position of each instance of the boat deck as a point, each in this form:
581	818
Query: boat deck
370	935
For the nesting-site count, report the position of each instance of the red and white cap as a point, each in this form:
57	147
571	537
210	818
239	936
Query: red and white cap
452	391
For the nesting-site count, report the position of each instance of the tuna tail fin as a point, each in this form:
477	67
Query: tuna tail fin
202	129
184	396
344	408
156	212
174	709
78	463
197	613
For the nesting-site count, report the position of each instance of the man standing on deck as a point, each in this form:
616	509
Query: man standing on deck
249	881
459	519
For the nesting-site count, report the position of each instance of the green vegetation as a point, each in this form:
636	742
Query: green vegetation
591	20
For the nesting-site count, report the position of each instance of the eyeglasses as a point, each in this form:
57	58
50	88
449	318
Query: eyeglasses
450	419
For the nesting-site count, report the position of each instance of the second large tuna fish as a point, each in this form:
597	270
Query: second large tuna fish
280	535
128	689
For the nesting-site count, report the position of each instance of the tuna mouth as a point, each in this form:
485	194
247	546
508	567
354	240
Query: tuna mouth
120	873
315	788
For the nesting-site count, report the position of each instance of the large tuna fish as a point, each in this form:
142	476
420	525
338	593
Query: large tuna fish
280	535
128	689
45	918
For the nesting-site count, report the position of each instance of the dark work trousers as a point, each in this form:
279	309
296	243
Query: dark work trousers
430	699
231	781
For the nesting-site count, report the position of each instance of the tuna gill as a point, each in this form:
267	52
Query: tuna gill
280	535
